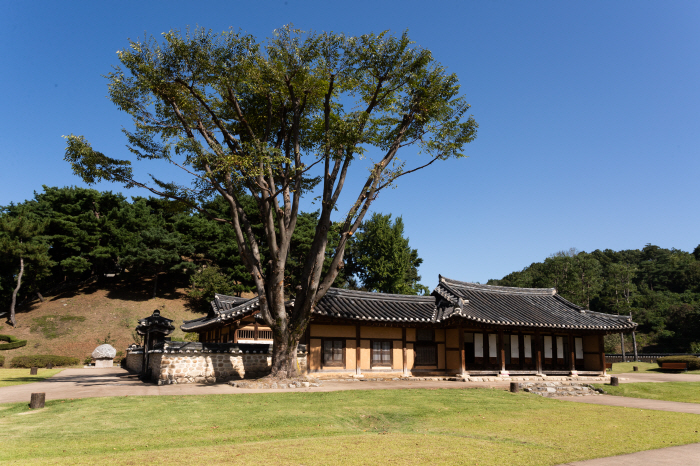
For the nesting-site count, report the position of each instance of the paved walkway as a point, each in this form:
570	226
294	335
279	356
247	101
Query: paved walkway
632	377
671	456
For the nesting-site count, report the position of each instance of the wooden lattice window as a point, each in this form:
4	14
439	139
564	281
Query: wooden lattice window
381	353
333	354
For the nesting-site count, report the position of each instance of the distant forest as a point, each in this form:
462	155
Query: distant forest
659	287
66	235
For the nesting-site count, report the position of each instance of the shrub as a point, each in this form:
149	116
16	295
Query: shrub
13	342
42	360
2	361
693	361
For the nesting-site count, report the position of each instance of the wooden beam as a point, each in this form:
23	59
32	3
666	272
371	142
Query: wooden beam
405	351
501	351
358	370
601	349
572	353
461	349
538	352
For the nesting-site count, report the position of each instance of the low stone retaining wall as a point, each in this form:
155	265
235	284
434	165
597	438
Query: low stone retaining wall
554	389
183	362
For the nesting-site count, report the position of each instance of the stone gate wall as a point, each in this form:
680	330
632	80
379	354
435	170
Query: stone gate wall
178	362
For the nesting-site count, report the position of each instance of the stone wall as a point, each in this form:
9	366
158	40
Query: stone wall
134	360
193	362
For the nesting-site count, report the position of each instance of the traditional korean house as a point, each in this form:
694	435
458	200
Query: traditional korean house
461	328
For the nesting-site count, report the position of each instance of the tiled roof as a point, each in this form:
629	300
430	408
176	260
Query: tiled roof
223	308
451	299
522	307
376	307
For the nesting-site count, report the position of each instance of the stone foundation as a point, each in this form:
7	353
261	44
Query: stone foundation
552	389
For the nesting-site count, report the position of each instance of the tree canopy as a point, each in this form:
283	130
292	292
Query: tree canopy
273	119
382	259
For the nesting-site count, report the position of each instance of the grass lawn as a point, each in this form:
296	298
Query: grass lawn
394	427
21	376
687	392
626	367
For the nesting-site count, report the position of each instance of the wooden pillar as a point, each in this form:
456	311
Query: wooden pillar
405	352
255	332
601	349
501	351
358	370
461	349
235	333
572	354
538	352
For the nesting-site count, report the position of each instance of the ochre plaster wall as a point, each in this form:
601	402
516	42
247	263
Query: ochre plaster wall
347	331
397	356
315	362
441	355
381	332
409	355
350	354
364	355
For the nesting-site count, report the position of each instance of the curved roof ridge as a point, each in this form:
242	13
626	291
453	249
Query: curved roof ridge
497	289
376	295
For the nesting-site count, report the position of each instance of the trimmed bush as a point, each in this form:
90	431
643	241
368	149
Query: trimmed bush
2	361
693	361
42	360
13	342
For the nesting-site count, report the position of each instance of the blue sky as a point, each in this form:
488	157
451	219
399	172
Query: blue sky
589	114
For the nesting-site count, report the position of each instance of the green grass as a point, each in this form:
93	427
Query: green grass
687	392
21	376
355	427
627	367
54	326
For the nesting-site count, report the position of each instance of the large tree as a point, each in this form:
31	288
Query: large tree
262	119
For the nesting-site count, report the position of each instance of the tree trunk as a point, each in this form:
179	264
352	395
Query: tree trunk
14	293
284	356
36	290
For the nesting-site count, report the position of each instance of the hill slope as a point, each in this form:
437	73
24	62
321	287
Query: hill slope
74	322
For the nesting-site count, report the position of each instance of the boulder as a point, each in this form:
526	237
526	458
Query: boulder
104	352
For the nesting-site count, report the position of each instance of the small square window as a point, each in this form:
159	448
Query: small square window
333	353
381	353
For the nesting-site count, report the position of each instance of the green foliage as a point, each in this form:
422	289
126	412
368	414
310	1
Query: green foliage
207	282
12	342
382	259
693	361
108	340
54	326
42	360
